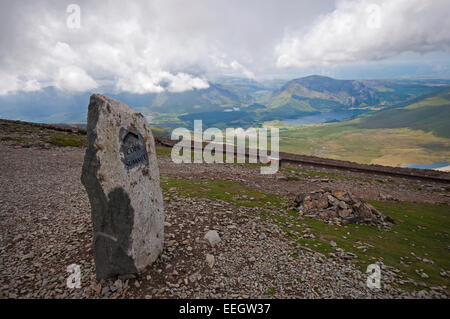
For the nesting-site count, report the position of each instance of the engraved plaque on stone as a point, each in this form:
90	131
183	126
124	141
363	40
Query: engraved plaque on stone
132	149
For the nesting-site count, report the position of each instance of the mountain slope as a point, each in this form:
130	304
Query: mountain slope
320	93
51	105
429	114
265	101
216	97
48	105
417	132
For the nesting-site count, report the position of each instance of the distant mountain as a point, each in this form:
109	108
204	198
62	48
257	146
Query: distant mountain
247	102
216	97
48	105
51	105
430	113
320	93
323	94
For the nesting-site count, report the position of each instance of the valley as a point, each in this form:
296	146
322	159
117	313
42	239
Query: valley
393	122
417	132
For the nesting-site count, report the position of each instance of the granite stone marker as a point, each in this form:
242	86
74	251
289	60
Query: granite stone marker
121	176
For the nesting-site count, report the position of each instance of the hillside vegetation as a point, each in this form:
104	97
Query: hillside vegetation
431	114
415	133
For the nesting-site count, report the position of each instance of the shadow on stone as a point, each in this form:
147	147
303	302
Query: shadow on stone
128	221
111	241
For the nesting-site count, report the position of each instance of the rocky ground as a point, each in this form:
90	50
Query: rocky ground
45	227
294	178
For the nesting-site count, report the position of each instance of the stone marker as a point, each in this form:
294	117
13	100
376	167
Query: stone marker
121	176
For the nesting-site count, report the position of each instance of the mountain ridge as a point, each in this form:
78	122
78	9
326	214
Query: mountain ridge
263	101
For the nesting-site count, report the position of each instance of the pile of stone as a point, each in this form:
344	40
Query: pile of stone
339	207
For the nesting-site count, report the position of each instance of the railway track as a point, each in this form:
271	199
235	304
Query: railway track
426	175
285	158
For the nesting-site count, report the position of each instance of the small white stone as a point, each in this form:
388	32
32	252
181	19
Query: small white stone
210	260
213	237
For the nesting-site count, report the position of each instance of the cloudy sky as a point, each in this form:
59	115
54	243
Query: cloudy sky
151	46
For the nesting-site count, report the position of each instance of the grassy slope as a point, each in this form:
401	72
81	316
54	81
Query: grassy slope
433	119
431	114
417	133
421	229
24	133
32	134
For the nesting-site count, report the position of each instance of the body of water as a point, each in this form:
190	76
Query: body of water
235	109
321	118
429	166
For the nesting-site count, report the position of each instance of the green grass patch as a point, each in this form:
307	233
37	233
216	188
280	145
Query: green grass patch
421	229
317	174
27	133
350	141
20	140
163	151
271	291
64	139
157	131
220	190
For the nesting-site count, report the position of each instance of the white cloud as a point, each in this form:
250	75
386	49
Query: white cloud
73	78
232	67
30	85
151	46
235	65
138	83
142	46
184	82
10	83
368	30
142	83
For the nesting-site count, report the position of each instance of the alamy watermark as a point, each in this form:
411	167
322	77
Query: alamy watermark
73	20
233	144
374	16
374	278
74	279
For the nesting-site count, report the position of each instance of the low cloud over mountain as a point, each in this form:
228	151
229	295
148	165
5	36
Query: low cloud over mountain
155	46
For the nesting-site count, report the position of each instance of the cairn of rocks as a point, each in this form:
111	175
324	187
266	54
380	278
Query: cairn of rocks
338	207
